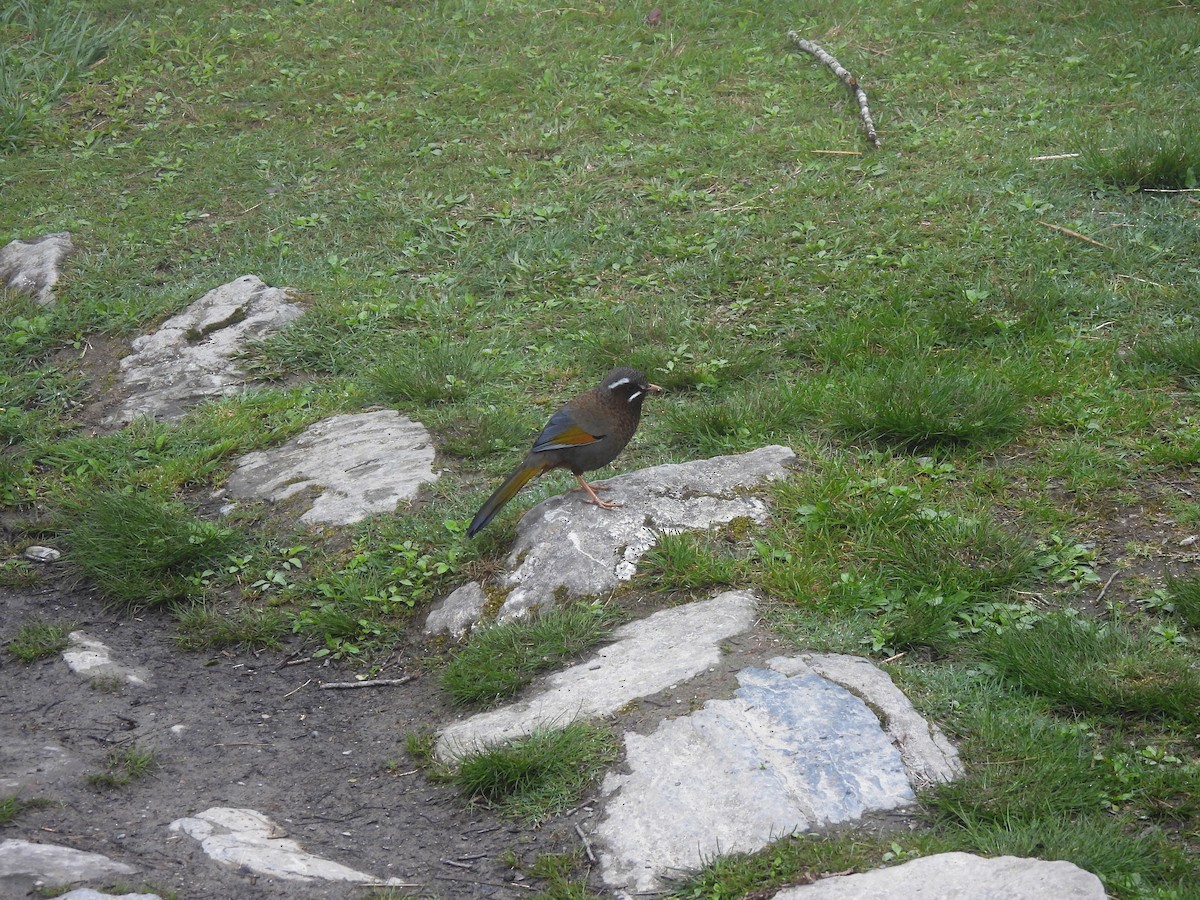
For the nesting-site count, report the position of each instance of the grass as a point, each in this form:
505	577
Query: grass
44	49
1098	669
1185	595
138	548
919	403
201	627
36	640
981	345
499	660
535	777
124	765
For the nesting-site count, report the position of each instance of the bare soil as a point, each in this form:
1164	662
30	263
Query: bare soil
241	730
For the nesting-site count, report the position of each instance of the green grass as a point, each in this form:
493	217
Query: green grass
1099	669
919	403
37	639
138	548
123	766
201	627
1148	158
1185	597
687	562
44	49
535	777
498	660
483	209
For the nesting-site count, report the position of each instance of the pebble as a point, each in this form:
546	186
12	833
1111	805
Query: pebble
42	554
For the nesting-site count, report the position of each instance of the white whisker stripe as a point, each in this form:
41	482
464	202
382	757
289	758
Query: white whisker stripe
634	396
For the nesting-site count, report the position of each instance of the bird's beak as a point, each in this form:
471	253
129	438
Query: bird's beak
654	388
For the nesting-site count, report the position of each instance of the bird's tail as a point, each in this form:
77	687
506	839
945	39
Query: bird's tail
519	477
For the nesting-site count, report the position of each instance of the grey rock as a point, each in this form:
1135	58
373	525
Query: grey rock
42	554
457	613
952	876
192	356
785	754
363	463
32	267
93	660
89	894
25	865
567	543
646	657
245	838
928	755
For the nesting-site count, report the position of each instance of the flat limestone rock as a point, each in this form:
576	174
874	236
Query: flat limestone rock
247	838
646	657
951	876
191	358
363	464
93	660
32	267
24	864
567	543
786	754
928	755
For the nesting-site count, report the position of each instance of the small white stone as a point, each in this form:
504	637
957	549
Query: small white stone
42	554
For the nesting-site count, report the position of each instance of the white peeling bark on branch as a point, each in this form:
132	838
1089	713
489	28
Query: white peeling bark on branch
850	81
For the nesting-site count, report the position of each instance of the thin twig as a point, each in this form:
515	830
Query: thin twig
1074	234
293	690
1170	190
1104	590
456	864
838	152
1053	156
587	845
849	80
378	682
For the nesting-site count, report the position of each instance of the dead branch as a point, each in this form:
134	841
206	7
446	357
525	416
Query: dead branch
378	682
1074	234
1054	156
849	80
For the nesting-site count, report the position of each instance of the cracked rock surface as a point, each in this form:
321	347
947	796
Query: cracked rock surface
192	356
359	464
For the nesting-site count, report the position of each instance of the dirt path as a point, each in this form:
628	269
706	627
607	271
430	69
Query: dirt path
236	730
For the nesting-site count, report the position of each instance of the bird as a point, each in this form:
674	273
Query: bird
587	433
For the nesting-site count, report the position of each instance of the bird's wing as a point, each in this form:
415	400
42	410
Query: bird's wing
562	431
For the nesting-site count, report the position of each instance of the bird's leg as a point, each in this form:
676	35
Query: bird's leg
603	504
